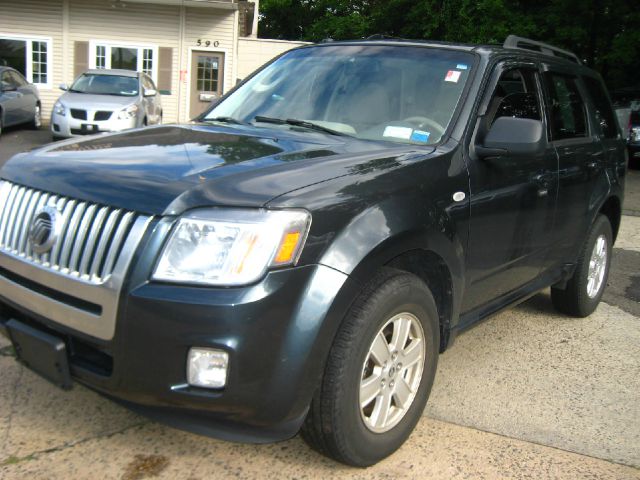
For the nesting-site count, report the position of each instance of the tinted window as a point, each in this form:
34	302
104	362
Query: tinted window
634	119
605	118
18	80
147	83
7	81
515	96
567	112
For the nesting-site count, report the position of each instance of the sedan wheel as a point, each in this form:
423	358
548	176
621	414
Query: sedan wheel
36	123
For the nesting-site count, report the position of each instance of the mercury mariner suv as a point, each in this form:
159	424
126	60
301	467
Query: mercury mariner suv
296	259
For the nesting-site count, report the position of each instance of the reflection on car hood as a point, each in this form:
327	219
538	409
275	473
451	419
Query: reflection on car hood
88	101
169	169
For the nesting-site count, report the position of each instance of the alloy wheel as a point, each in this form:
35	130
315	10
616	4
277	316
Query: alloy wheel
597	267
392	372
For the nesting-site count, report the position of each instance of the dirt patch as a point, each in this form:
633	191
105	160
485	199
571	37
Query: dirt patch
145	466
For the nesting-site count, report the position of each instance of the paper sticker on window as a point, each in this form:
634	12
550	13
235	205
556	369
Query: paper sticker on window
420	136
462	66
398	132
452	76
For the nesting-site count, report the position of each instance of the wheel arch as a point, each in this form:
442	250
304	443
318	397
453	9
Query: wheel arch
435	273
434	257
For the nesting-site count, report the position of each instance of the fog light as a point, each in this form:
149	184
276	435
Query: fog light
207	367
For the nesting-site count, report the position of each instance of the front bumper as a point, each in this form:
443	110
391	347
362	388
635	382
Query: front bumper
277	333
65	126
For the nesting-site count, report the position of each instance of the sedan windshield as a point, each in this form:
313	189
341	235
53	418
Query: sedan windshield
402	94
97	84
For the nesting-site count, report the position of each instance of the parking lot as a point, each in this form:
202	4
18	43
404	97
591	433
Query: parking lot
528	393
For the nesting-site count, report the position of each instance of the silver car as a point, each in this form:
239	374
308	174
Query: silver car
106	101
19	100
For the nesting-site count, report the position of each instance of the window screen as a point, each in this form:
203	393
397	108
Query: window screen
605	118
568	116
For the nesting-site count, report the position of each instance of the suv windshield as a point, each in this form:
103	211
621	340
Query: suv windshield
97	84
402	94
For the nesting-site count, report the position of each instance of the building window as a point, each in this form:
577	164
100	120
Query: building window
39	61
126	57
207	79
31	57
101	56
147	61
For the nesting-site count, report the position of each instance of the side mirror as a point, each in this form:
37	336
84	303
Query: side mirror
514	137
64	87
150	92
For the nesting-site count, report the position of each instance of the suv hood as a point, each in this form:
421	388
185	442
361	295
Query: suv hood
169	169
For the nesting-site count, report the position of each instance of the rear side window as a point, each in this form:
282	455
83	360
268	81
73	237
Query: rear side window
605	118
566	107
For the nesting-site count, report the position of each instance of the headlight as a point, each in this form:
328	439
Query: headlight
231	246
127	113
59	109
635	134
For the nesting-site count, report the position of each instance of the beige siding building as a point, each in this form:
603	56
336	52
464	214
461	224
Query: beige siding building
194	50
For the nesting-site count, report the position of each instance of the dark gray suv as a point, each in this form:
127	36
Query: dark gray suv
297	259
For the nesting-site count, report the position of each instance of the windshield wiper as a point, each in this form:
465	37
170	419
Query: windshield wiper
232	120
300	123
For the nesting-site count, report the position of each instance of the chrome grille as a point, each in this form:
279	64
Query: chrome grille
90	240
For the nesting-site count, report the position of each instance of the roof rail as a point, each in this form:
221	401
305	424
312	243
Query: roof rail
521	43
382	36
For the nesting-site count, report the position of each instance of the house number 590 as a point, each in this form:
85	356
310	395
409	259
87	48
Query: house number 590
207	43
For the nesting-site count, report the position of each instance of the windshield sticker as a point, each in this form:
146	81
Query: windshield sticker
420	136
462	66
453	76
398	132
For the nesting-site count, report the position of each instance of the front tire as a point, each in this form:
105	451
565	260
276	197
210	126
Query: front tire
585	288
379	372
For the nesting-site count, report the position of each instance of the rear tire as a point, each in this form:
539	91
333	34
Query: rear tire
585	288
36	123
363	411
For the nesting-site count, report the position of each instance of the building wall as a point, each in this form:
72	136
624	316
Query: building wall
138	23
255	52
66	22
214	26
38	18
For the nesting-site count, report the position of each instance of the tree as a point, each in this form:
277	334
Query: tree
604	33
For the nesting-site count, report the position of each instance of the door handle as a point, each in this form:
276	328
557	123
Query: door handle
592	165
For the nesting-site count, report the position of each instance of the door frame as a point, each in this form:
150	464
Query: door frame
227	55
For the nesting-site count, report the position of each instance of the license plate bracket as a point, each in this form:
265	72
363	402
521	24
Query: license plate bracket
43	353
89	127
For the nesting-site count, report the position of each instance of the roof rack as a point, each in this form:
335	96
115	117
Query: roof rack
521	43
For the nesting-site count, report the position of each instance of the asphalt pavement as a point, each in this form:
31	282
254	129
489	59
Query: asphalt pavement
528	393
17	140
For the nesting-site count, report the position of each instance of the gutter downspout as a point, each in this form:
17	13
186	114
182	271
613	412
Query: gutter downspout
181	67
